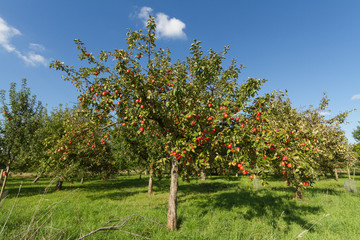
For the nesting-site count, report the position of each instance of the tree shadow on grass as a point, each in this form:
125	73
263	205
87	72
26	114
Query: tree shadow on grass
311	190
206	187
29	189
251	204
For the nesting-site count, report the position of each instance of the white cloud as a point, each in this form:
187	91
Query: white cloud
324	113
36	47
355	97
6	33
166	27
31	58
145	12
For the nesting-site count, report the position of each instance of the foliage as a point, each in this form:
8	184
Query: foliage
22	116
71	148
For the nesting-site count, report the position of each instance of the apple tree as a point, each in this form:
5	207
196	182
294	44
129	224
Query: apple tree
299	145
189	103
22	116
72	147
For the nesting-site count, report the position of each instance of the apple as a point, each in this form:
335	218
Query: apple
251	176
305	184
229	146
289	165
282	163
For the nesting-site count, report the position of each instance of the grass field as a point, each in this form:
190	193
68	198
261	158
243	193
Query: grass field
219	208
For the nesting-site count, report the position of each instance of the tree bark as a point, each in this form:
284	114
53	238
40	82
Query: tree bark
82	181
348	172
4	182
171	214
36	179
202	175
298	194
336	174
2	170
150	185
59	184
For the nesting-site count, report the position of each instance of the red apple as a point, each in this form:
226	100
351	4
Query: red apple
305	184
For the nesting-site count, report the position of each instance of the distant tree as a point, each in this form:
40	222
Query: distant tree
22	116
356	134
72	148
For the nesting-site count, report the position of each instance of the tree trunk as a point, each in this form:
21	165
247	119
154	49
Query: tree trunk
354	174
171	214
202	175
146	172
348	172
36	179
2	170
4	182
150	185
140	174
59	184
298	194
128	172
336	174
82	181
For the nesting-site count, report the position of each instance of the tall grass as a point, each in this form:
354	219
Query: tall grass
219	208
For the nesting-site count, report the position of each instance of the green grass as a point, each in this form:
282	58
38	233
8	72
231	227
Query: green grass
219	208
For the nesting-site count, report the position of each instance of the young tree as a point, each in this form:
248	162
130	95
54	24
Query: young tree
22	116
192	104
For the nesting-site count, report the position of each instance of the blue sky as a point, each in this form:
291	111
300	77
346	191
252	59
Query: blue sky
306	47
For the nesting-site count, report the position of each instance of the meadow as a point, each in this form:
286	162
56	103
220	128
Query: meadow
219	208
